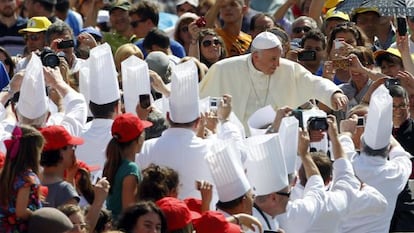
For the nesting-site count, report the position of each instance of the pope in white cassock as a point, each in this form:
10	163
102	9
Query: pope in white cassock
263	77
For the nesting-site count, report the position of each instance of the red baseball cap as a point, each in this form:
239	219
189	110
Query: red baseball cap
193	204
57	137
214	222
128	126
177	213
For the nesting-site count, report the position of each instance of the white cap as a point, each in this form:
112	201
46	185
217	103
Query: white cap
33	100
259	121
288	135
266	167
184	95
266	40
104	87
378	128
135	81
194	3
227	171
103	16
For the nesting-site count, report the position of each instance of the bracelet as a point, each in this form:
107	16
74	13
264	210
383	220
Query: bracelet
237	219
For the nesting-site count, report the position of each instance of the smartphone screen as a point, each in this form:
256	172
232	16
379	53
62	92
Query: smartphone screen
401	26
144	100
64	44
307	55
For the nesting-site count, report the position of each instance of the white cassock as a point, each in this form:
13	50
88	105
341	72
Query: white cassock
290	85
388	176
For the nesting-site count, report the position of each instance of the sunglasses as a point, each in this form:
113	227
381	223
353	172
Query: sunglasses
208	43
32	37
301	29
135	24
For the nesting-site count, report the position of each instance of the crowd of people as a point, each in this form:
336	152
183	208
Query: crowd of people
206	116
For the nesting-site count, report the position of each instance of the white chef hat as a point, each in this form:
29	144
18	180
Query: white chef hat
135	81
260	120
378	126
227	171
266	167
266	40
184	95
103	81
288	135
84	82
33	100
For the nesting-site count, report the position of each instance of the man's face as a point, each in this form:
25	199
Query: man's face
34	41
7	8
140	27
331	24
367	22
119	20
261	25
65	36
232	11
400	111
317	46
299	28
267	60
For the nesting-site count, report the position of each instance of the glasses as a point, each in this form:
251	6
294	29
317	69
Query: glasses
208	43
32	37
184	29
301	29
81	226
346	24
135	24
401	106
284	194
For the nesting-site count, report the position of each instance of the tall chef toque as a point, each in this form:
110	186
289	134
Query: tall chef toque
378	127
184	98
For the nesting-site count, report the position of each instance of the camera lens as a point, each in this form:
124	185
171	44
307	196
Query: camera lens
51	60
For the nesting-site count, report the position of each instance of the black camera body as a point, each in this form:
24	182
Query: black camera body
318	123
49	58
390	82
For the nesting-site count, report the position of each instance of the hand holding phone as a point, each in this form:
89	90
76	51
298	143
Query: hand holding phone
201	22
401	26
64	44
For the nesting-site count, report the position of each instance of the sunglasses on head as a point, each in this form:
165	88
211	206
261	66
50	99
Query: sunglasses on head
301	29
32	37
208	43
135	24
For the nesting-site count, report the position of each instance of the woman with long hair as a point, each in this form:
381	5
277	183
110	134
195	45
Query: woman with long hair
120	168
19	182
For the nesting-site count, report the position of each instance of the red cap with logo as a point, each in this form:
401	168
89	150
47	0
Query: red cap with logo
128	126
57	137
214	222
177	213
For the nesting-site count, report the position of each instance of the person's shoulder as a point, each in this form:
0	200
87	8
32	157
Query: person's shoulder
232	60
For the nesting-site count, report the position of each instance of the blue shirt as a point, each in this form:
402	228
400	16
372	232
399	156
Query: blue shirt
176	48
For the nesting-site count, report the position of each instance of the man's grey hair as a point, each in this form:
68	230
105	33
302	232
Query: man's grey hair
313	25
58	28
383	152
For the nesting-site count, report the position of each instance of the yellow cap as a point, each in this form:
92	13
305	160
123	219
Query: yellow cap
36	24
331	3
333	13
392	51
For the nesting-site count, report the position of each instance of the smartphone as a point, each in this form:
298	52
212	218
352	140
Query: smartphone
201	22
197	184
297	113
307	55
268	231
342	64
317	123
338	43
401	26
64	44
144	100
361	121
392	82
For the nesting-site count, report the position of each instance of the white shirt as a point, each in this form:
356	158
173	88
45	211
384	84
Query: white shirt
96	139
388	177
181	150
